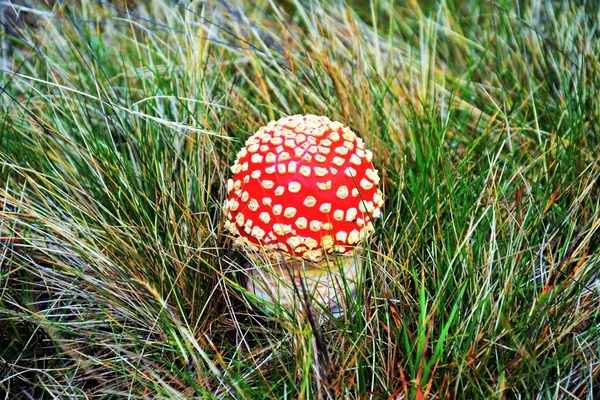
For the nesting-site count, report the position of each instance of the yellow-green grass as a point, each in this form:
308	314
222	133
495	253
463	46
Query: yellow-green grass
116	132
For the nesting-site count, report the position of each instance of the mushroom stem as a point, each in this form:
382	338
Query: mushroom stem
289	281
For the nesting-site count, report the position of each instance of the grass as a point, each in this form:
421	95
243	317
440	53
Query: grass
116	132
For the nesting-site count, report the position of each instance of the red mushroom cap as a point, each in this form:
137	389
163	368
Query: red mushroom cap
303	185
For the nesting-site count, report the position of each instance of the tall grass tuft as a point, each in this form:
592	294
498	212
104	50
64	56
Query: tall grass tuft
117	127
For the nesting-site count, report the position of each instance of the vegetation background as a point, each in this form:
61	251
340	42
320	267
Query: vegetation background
118	122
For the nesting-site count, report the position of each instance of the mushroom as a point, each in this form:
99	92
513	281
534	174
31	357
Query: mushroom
303	197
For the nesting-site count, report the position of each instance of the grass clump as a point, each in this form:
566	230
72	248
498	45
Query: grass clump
116	132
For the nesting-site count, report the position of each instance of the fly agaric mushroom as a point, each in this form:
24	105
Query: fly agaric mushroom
304	193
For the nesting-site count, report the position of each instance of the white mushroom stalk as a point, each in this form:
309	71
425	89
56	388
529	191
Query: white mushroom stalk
302	199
